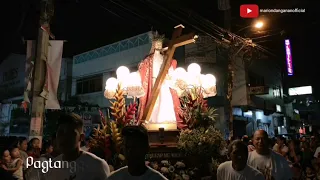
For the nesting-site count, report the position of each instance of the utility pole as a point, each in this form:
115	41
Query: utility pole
38	102
224	5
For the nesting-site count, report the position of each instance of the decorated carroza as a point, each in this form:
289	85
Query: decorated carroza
168	100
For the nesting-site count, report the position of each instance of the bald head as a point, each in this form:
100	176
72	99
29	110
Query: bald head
260	132
261	141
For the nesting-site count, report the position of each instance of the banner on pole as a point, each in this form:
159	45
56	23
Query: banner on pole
53	73
53	65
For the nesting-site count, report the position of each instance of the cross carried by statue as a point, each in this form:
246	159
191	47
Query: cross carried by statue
176	41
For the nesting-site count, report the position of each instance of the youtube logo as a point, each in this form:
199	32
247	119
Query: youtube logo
249	11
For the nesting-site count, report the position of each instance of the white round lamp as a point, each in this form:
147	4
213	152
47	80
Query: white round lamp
211	79
193	75
208	83
194	69
134	85
122	73
180	80
180	73
111	87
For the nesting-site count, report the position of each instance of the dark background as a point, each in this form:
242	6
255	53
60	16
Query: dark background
89	24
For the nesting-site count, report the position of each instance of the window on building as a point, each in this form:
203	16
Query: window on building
276	92
89	84
255	80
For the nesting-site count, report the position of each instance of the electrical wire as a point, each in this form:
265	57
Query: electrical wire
172	16
260	37
125	8
214	27
240	38
111	12
145	19
206	23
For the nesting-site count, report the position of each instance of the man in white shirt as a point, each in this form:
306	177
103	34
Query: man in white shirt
237	168
78	164
271	164
136	147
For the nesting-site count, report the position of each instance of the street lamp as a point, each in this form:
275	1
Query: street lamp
256	25
259	25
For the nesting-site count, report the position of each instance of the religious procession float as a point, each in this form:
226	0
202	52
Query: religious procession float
171	102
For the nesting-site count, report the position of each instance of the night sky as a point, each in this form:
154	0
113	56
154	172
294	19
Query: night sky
89	24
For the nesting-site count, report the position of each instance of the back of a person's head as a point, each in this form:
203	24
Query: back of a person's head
71	119
282	138
139	132
45	146
245	139
239	145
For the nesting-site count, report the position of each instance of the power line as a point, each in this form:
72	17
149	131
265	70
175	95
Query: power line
206	24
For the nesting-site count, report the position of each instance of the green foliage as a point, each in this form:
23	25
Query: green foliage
201	141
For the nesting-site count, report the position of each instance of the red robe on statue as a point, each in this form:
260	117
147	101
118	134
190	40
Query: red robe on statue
146	73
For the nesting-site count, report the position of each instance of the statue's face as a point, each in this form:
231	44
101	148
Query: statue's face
158	45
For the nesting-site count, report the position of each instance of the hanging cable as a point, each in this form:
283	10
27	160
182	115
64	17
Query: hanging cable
111	12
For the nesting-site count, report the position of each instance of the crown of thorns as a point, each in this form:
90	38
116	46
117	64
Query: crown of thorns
157	37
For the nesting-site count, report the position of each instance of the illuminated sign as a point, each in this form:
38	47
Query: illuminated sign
288	57
303	90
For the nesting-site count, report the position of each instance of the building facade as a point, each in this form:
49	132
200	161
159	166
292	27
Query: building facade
258	98
306	109
91	69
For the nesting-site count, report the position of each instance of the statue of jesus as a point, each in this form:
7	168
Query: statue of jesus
167	107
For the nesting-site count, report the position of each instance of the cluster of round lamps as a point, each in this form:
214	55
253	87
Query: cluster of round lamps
183	80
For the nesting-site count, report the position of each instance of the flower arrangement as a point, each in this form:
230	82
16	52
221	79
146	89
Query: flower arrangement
195	111
206	142
175	171
201	140
107	139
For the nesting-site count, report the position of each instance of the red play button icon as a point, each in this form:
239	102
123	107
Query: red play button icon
249	11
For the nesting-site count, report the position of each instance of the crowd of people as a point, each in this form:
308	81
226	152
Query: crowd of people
14	156
80	164
272	159
259	158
